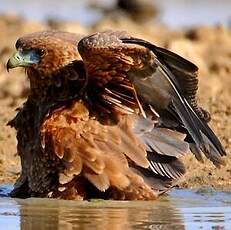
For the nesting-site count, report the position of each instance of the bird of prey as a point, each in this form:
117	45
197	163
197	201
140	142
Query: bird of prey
107	116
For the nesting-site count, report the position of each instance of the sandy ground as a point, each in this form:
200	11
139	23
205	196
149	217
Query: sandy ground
208	47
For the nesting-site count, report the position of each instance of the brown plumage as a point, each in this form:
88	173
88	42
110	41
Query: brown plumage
107	116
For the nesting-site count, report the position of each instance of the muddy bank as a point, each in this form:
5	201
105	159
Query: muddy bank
207	47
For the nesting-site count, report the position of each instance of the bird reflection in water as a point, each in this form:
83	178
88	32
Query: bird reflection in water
59	214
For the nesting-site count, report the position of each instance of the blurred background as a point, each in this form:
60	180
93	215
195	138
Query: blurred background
173	13
199	30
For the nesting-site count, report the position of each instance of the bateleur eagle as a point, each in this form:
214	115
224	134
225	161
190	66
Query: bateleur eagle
107	116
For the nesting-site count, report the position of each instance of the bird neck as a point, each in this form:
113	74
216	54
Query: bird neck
60	86
39	87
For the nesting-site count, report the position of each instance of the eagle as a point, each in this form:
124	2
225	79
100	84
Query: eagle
107	116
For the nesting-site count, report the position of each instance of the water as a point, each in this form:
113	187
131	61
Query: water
181	209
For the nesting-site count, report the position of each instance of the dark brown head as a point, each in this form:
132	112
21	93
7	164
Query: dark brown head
45	52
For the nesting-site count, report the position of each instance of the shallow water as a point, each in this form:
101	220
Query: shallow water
181	209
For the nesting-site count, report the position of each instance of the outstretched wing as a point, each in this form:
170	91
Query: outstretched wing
160	78
111	155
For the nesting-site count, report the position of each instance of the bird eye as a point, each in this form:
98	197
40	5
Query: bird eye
41	52
17	44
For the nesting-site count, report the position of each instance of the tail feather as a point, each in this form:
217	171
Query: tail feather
166	166
157	182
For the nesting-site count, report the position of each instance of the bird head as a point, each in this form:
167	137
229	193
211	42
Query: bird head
44	52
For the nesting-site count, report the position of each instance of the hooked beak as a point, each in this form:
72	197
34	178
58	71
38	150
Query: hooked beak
23	59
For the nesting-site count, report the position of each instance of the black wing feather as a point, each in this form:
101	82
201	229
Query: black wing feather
198	129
